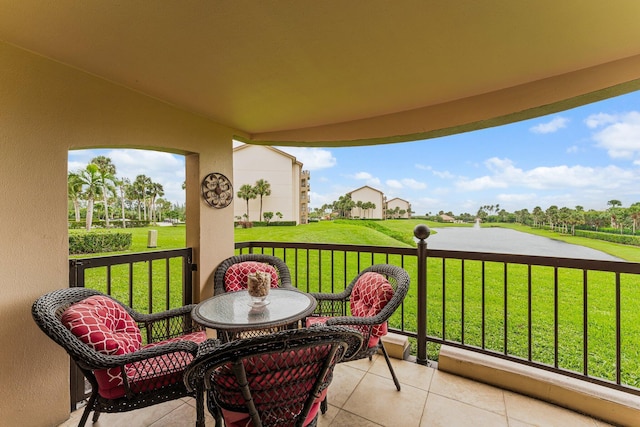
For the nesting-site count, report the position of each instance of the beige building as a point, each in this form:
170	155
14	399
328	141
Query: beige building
401	205
371	195
289	183
189	78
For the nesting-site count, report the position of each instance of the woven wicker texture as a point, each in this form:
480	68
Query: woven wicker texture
335	309
150	375
237	277
272	380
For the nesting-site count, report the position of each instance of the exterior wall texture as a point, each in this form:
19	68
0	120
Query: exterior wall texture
280	170
368	194
47	109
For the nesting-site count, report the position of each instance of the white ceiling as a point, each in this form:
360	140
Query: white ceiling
344	72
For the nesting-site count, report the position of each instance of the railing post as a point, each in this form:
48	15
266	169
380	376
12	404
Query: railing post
421	232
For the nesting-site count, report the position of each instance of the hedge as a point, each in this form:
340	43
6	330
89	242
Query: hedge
95	242
623	239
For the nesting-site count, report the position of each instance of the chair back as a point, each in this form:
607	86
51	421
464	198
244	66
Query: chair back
271	380
47	312
231	274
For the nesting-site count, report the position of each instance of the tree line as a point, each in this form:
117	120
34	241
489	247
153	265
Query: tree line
97	184
615	218
261	189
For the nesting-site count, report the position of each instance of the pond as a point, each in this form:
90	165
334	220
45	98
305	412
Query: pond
504	240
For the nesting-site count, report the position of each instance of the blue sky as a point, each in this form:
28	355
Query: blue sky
584	156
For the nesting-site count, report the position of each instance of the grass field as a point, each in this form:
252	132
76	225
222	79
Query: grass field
455	293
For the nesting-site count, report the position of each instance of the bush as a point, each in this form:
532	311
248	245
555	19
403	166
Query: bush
264	223
623	239
95	242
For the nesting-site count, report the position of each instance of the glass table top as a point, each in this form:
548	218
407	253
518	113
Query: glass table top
235	310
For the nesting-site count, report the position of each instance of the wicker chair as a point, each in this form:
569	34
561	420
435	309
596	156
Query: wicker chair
235	270
366	305
131	360
271	380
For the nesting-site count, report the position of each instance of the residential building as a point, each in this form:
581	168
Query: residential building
289	184
400	205
368	194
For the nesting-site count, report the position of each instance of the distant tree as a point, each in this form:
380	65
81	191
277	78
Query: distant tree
279	215
247	192
92	188
74	191
262	188
267	216
107	172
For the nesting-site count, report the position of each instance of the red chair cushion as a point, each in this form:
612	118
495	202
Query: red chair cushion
274	380
105	326
242	419
235	278
369	296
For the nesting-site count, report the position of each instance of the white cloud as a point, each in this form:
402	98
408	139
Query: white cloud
394	183
554	125
413	184
600	119
620	136
312	158
367	177
572	149
503	174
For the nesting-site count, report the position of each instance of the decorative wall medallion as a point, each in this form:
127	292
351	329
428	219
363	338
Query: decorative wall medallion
217	190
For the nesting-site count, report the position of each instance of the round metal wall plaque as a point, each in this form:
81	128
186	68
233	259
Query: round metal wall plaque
217	190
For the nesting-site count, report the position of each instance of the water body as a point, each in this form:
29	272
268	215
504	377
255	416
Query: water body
504	240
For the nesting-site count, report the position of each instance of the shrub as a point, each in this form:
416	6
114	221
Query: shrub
95	242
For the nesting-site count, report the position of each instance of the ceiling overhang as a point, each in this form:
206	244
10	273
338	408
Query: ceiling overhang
337	72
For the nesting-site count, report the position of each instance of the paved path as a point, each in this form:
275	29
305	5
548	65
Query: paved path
504	240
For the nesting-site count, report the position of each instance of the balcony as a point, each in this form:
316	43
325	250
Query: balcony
362	394
461	317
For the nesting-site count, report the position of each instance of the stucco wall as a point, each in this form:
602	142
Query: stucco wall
46	109
368	194
252	163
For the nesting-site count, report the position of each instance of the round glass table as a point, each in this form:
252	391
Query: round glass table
233	314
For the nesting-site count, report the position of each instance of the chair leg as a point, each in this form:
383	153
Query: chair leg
324	405
393	374
200	405
88	409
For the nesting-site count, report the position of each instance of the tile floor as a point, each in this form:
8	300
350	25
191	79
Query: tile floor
362	394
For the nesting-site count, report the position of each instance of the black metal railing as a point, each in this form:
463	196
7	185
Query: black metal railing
575	317
149	282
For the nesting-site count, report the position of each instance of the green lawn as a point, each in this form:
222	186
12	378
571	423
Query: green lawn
446	288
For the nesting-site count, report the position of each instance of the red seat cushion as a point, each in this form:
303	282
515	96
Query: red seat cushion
280	383
107	327
235	278
369	296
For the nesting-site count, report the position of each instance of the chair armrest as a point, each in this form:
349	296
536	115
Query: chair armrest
166	324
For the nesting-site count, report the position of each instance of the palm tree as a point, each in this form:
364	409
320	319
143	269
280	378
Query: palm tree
92	187
74	189
247	192
123	184
262	188
139	192
107	171
155	190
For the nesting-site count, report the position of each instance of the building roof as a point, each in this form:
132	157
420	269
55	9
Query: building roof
363	187
242	146
334	72
399	199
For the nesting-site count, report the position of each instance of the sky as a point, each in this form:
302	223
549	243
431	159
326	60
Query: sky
585	156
